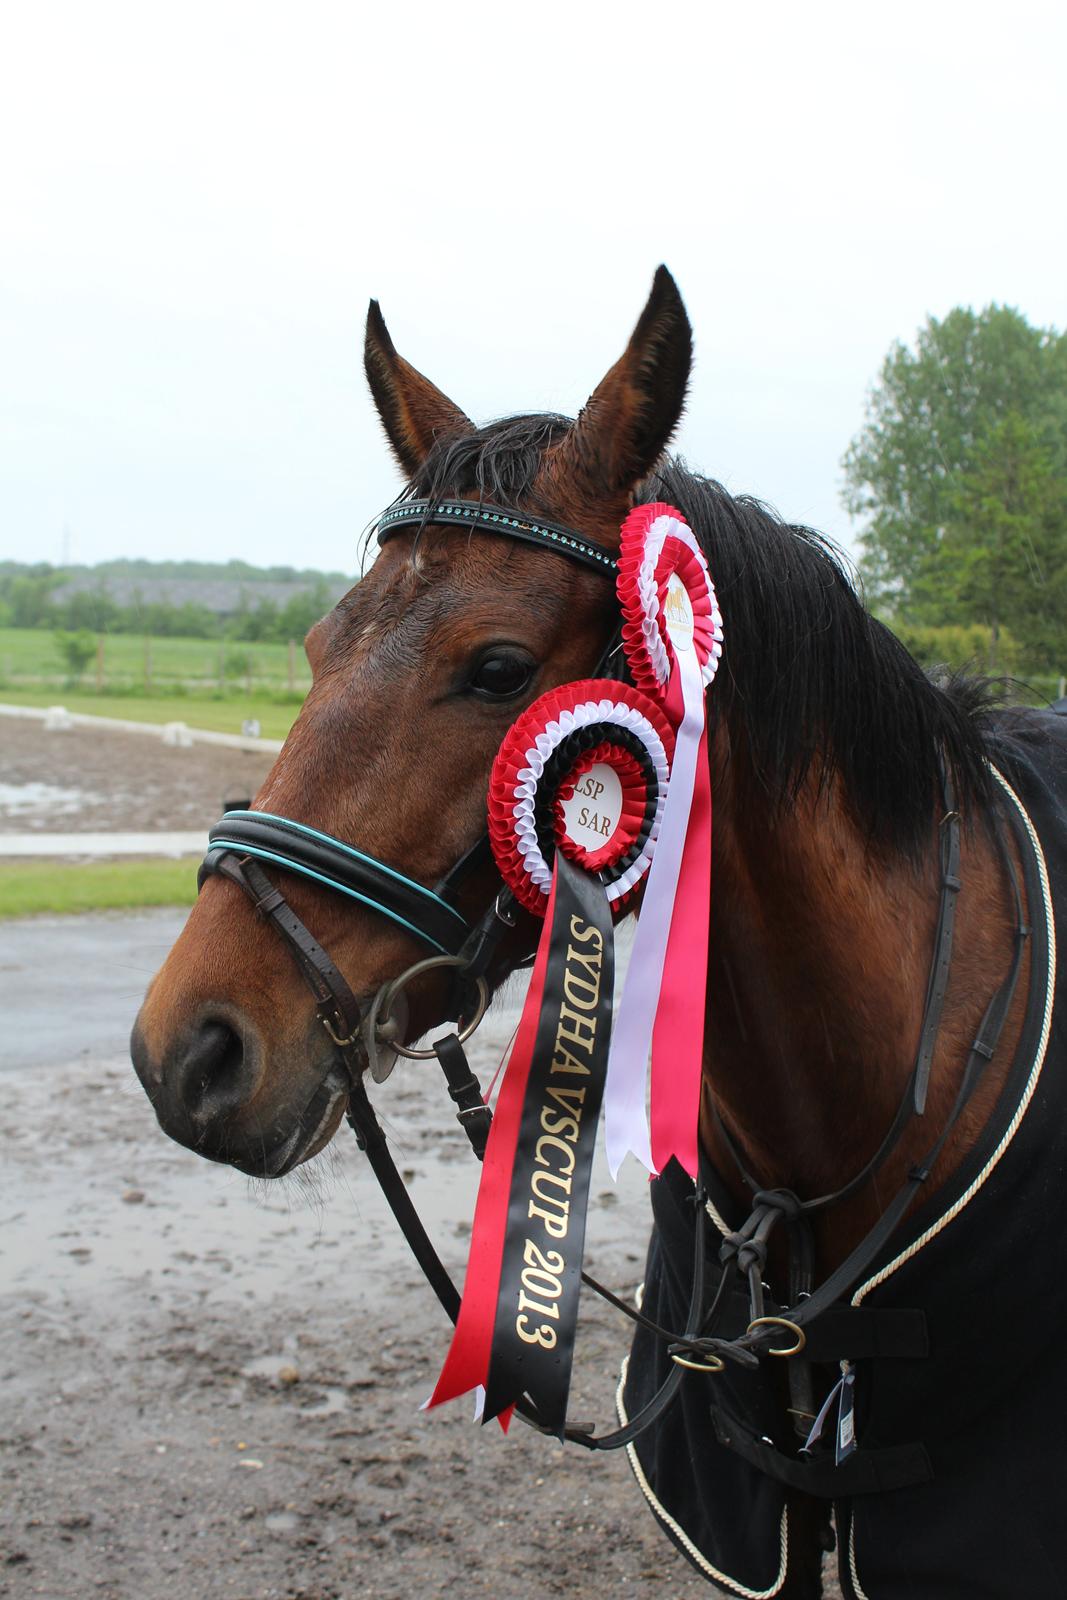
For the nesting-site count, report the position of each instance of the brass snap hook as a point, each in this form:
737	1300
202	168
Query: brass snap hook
342	1044
782	1322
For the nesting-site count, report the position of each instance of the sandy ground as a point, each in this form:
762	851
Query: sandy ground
88	778
210	1388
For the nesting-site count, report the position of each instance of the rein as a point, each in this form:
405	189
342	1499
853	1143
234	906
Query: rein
244	840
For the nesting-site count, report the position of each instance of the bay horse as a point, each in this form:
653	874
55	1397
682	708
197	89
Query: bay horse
860	805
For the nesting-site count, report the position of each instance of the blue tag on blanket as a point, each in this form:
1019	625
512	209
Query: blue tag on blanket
815	1433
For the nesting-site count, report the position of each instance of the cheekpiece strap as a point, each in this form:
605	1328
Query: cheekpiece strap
492	519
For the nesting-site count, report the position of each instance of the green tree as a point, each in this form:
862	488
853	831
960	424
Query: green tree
77	650
256	625
1003	554
303	610
960	472
28	593
89	608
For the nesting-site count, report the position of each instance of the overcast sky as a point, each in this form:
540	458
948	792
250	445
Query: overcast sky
197	202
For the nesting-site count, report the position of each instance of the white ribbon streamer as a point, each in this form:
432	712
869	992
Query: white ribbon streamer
625	1096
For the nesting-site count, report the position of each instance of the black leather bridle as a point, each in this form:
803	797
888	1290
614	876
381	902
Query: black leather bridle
244	841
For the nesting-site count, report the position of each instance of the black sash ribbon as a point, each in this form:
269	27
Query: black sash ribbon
540	1279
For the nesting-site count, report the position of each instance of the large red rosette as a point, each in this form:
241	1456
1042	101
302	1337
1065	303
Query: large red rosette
571	718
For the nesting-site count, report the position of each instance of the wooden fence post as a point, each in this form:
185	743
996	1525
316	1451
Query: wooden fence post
100	664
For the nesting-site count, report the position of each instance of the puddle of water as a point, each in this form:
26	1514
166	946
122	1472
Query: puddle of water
333	1402
16	799
330	1400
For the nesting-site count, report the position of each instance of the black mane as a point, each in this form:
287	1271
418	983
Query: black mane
812	680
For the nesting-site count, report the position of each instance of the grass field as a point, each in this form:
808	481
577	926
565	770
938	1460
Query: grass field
31	887
202	682
29	655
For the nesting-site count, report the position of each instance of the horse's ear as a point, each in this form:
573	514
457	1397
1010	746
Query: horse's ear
414	412
626	423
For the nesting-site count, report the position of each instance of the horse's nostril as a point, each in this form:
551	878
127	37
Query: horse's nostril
214	1077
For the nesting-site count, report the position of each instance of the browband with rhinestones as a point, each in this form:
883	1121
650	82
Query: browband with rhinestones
473	514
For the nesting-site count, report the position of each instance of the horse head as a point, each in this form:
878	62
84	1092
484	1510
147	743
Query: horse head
417	674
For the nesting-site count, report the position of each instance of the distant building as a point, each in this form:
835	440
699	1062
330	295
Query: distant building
224	596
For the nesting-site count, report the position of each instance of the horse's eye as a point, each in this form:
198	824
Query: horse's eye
502	675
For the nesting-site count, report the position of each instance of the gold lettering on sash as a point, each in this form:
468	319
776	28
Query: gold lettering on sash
591	933
576	1029
561	1181
570	1097
549	1141
543	1334
543	1273
563	1061
561	1124
579	992
589	962
555	1223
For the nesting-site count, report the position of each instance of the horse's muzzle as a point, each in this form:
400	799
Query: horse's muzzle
207	1096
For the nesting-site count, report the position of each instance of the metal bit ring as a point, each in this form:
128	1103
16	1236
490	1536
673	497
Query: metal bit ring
384	999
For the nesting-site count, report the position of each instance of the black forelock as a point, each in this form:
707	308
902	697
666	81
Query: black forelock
499	463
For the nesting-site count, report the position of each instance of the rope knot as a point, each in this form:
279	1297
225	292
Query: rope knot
783	1201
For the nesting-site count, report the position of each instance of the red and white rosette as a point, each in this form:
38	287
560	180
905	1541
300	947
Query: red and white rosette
592	755
577	797
672	635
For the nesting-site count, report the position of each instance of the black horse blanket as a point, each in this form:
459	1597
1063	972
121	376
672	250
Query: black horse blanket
958	1487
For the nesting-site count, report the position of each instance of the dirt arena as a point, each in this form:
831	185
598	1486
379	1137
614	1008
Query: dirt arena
211	1387
89	779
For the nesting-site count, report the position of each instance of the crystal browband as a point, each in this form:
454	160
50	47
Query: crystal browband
473	514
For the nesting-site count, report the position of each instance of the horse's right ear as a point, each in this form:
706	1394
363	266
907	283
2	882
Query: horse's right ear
414	412
628	420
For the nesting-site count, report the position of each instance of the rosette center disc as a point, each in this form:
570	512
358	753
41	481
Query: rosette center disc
593	811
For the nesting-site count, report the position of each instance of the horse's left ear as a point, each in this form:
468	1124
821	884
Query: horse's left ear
627	422
414	412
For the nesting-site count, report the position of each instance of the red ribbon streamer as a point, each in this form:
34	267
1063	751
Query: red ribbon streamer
467	1362
678	1033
